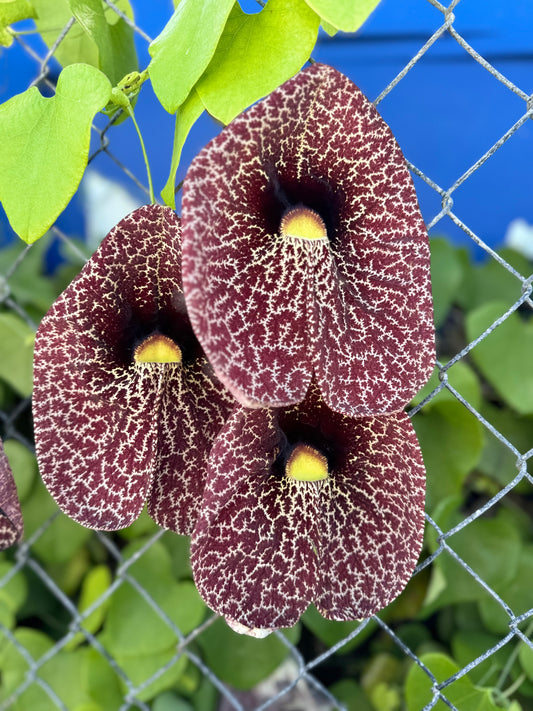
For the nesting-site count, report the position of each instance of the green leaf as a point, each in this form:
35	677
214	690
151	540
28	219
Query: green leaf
462	692
461	377
468	645
95	584
136	635
186	115
497	461
349	693
240	660
168	701
79	46
28	283
12	11
345	15
330	632
185	47
451	439
16	353
59	543
24	466
13	592
491	547
14	667
256	54
76	46
516	592
490	281
504	355
116	49
446	276
44	145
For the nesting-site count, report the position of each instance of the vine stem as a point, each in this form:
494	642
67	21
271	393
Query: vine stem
147	164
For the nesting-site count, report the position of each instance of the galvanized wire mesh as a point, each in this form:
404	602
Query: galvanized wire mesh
303	674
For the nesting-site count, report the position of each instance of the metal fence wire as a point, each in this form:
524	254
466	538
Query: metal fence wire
301	677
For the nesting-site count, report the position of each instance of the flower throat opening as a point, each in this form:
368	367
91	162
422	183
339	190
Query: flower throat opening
304	223
306	464
157	349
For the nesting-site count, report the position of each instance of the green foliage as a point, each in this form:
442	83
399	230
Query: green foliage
240	660
16	353
136	635
462	692
12	11
111	35
23	465
44	145
255	54
186	116
100	38
502	355
181	53
345	15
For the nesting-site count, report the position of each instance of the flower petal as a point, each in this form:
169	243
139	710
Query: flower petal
266	545
253	548
372	519
193	409
354	309
104	424
11	524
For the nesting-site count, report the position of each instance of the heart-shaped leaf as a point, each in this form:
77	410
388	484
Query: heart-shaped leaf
44	144
504	356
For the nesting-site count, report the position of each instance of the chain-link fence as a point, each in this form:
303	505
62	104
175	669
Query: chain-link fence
452	569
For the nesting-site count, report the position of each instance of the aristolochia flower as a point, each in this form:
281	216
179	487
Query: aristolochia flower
305	254
11	525
304	505
124	403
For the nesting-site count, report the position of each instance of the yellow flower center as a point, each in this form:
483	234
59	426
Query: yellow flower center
304	223
306	464
157	349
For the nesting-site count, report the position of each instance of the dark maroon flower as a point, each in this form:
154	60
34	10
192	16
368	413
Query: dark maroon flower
305	254
125	406
305	505
11	525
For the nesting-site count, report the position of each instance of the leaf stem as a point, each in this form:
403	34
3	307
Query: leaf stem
147	164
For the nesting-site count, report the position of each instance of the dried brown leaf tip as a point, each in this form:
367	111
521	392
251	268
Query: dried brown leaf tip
11	525
125	404
305	505
305	253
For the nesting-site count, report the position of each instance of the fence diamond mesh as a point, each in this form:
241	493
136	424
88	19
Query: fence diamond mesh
307	677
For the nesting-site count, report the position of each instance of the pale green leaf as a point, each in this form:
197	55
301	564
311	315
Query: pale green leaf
44	145
16	352
12	11
116	49
186	115
345	15
78	46
256	54
185	47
